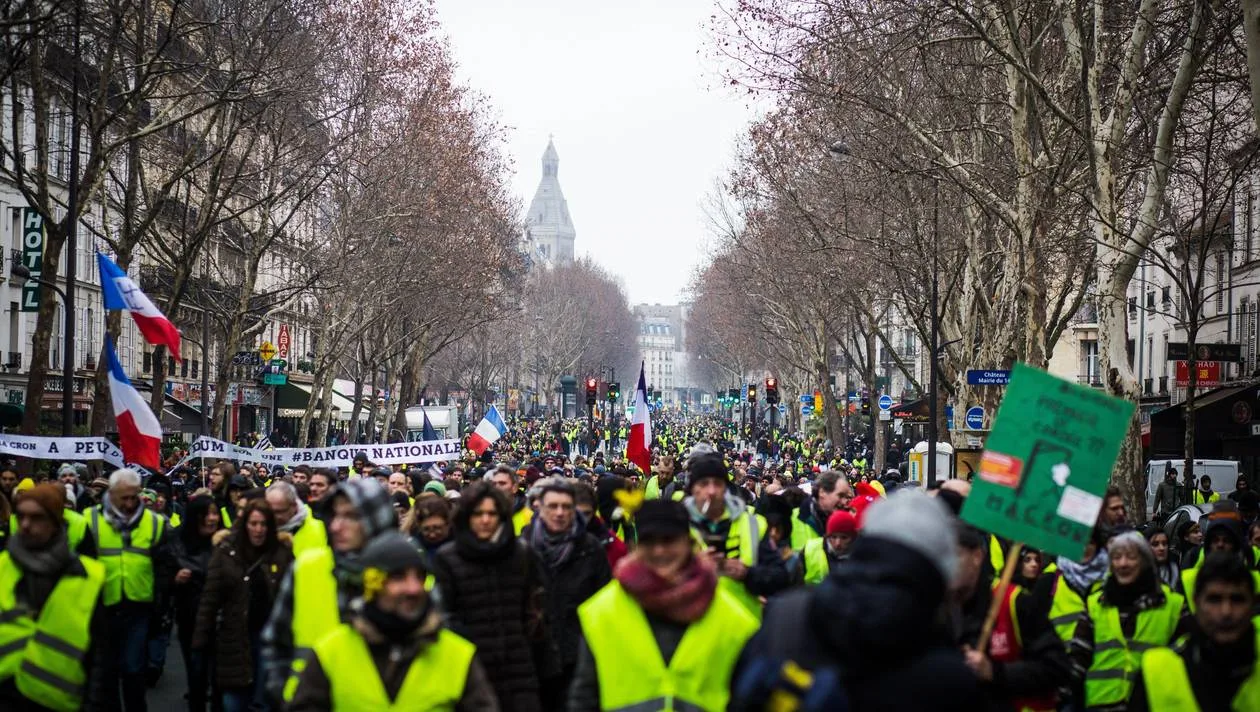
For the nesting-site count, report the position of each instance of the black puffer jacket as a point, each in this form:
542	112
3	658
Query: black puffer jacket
873	624
576	579
493	595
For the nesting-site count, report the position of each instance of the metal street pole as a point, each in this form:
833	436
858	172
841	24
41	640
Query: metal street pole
936	325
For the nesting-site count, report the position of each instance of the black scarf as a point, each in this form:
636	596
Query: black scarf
1122	596
555	549
41	568
499	546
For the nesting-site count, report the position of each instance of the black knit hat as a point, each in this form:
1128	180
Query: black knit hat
708	466
662	518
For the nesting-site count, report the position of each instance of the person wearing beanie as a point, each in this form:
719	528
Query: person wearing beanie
1025	662
822	556
662	634
394	649
316	592
1131	613
53	601
1217	665
734	537
874	619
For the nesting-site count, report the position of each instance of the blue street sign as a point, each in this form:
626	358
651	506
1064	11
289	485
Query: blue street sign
949	417
807	409
975	418
743	393
807	399
977	377
885	402
782	409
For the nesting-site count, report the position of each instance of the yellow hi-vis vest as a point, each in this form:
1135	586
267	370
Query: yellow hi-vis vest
522	518
633	675
315	612
44	657
1117	658
817	565
802	532
1190	577
1067	609
311	535
742	541
76	527
435	679
128	557
1168	684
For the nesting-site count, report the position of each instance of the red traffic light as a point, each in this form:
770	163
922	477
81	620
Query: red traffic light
771	383
590	383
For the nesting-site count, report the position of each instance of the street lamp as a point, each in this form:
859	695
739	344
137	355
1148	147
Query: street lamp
21	271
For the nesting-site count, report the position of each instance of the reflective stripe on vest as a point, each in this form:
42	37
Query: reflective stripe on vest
311	535
1117	658
435	680
1168	684
633	675
227	519
44	658
742	539
315	611
127	556
817	565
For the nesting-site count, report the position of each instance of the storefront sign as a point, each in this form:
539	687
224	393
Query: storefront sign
1209	374
32	256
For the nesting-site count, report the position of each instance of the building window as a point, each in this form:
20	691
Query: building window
1132	307
195	368
1220	282
1150	299
147	364
1166	297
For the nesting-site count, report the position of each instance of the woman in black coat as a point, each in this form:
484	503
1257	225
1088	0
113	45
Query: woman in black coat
248	564
493	594
192	547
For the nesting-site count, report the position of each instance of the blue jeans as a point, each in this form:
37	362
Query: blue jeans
126	656
254	697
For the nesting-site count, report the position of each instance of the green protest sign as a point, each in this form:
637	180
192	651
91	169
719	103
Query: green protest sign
1047	462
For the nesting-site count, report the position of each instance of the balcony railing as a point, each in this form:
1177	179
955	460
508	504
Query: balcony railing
1090	379
13	359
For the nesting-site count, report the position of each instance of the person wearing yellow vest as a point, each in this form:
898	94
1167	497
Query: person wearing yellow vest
663	634
736	538
661	479
823	555
1067	584
294	518
393	653
1204	494
51	613
1216	666
1132	613
829	492
315	594
131	544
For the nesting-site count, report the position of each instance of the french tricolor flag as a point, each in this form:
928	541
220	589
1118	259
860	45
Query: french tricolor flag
488	432
122	293
639	444
139	431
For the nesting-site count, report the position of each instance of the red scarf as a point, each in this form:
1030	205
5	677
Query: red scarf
682	600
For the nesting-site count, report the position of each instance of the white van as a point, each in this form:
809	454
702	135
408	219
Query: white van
1224	475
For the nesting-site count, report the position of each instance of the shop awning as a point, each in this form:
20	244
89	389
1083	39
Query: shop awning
291	400
177	416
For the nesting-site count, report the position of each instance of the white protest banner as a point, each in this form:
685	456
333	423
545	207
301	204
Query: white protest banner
338	456
49	448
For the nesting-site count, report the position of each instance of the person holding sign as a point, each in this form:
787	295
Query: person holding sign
1025	663
1215	666
1132	613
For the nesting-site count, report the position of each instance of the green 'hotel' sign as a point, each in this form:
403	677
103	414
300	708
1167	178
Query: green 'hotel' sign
32	256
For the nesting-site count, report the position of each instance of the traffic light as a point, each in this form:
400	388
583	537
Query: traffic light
614	392
772	390
591	391
866	405
752	393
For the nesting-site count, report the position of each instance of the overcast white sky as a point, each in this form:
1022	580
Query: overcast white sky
641	122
